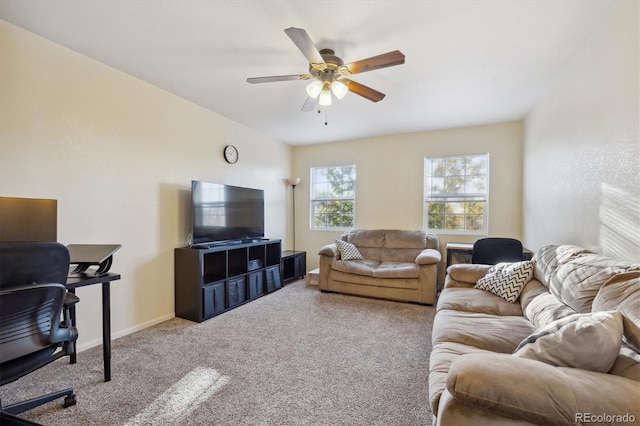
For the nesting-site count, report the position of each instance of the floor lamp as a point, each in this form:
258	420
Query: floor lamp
294	182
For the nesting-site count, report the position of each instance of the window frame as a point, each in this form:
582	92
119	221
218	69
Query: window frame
460	197
313	200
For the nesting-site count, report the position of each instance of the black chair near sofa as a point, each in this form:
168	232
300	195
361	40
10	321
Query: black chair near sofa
35	324
491	250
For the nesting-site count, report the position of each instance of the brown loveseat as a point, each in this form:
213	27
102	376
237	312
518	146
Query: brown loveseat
396	264
575	331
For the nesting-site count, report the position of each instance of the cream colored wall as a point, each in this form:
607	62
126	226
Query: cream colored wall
389	187
119	155
582	149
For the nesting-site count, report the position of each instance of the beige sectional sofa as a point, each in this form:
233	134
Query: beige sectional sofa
572	368
394	264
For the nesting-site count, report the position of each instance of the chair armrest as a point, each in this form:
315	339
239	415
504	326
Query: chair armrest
330	250
531	390
70	299
428	256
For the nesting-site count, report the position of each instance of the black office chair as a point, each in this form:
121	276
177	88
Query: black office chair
35	324
490	251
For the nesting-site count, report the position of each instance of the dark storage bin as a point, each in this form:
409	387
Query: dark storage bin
213	299
273	278
256	285
237	291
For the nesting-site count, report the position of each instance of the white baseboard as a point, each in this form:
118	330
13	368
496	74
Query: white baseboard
126	331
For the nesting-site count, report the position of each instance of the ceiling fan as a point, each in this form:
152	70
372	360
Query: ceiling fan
328	73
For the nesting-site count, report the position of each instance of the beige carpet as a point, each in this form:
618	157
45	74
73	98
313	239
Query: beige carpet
294	357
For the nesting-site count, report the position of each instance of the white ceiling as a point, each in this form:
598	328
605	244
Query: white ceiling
467	62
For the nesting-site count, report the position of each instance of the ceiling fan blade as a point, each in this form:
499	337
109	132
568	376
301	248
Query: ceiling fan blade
301	39
388	59
362	90
254	80
310	104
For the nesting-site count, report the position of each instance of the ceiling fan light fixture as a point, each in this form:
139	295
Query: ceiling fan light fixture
314	88
325	98
339	89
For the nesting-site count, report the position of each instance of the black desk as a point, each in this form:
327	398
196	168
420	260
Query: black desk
463	252
105	279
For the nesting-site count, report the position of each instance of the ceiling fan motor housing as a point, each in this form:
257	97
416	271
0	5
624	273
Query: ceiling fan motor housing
332	65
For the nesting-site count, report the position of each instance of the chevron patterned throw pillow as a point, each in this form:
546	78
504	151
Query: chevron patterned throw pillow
507	279
348	251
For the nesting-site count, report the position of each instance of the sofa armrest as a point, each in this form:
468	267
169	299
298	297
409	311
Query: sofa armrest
428	256
526	389
330	250
467	272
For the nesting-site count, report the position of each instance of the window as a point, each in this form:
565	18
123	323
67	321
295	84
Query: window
456	193
333	197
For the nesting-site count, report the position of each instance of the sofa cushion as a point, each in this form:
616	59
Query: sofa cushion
586	341
468	273
548	258
396	270
507	279
442	355
622	293
348	251
540	306
627	363
521	388
476	300
575	275
480	330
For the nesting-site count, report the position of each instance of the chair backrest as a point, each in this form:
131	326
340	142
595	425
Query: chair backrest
490	251
33	262
32	292
30	320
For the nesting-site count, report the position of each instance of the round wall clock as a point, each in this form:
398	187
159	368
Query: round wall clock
231	154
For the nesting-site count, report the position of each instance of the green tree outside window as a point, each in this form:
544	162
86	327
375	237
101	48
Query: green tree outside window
333	197
456	193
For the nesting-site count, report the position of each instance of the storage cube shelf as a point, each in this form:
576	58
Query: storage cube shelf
213	280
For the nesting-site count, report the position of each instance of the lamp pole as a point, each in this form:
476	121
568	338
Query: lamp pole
294	182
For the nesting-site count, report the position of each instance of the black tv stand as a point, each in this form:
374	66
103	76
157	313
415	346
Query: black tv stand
213	280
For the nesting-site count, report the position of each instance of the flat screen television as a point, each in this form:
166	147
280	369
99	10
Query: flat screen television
225	213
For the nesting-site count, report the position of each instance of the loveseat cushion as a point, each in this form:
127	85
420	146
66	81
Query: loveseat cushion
370	242
400	254
396	270
481	330
358	267
476	300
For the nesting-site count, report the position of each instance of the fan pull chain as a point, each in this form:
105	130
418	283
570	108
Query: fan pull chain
326	120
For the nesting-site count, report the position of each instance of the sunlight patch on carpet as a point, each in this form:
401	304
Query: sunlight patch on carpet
181	399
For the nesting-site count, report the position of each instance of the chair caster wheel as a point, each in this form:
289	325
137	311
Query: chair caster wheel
69	400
